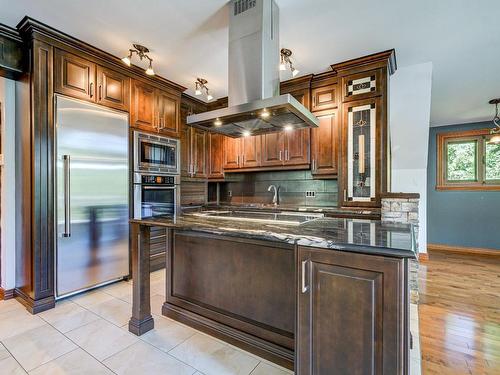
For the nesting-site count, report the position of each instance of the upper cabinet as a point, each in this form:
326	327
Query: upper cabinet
363	85
242	152
143	111
74	76
154	110
324	97
113	89
325	145
231	153
215	156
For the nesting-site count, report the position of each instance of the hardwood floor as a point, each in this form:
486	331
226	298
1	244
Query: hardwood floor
460	314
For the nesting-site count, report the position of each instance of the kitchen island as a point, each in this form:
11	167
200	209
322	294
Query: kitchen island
315	294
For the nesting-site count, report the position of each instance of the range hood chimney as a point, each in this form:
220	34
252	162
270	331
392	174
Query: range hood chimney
255	106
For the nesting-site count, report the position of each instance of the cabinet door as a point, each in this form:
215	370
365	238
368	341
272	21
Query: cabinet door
273	149
363	85
324	97
185	138
297	147
168	109
199	154
351	310
231	153
324	145
215	155
250	151
74	76
113	89
362	161
143	111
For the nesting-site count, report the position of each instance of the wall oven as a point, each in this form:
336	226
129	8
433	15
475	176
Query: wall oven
156	195
156	154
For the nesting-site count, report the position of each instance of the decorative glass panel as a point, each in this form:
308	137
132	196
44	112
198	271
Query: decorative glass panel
461	161
361	85
361	153
492	162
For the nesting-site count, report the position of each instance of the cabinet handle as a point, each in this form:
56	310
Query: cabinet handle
67	193
286	155
314	101
91	89
242	159
305	287
345	194
280	155
238	160
100	92
313	164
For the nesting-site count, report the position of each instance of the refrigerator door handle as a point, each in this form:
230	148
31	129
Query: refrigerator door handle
67	192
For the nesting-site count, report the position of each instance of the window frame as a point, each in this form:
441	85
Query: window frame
481	136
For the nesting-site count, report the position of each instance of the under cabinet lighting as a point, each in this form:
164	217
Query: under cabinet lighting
217	122
246	133
288	128
264	113
141	52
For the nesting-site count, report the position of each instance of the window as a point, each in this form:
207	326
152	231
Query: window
466	161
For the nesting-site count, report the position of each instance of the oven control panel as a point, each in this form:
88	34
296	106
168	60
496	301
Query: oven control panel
157	180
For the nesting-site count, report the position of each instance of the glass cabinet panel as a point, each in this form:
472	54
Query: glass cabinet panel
361	136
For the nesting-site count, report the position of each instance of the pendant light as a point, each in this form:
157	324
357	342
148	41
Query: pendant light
495	132
141	52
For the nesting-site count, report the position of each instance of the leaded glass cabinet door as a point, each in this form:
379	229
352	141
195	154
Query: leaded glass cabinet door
360	152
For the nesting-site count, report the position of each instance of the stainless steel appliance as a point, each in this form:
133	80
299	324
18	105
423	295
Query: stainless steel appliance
155	154
156	195
92	195
255	106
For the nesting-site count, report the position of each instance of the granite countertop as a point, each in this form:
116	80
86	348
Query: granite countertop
354	235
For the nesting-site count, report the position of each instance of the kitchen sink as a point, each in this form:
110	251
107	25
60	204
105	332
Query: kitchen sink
285	218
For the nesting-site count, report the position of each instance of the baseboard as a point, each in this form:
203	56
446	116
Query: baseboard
463	250
6	294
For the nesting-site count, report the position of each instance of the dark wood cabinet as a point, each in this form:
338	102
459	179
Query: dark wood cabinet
113	89
363	85
185	141
167	108
231	153
324	97
74	76
297	147
250	151
199	152
11	53
273	146
325	145
350	311
143	109
215	155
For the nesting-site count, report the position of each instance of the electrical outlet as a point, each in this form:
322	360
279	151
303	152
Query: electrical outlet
229	193
310	194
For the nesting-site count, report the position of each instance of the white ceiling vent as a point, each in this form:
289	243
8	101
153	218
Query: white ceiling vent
241	6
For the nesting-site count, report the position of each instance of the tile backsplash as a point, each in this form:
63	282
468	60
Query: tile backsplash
241	188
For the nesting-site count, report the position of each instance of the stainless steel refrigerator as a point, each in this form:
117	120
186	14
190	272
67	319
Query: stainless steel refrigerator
92	195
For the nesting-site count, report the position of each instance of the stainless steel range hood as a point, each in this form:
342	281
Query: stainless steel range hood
255	106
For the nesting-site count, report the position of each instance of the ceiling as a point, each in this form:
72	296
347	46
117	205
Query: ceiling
188	39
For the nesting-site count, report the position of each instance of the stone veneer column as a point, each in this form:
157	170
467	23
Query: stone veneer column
403	208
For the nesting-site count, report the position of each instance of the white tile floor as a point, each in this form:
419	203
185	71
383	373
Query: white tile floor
88	334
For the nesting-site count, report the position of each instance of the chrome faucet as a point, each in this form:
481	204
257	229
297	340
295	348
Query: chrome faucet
276	196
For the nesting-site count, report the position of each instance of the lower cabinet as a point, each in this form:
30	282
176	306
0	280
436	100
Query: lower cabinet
351	311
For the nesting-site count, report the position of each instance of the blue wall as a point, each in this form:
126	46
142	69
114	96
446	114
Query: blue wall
460	218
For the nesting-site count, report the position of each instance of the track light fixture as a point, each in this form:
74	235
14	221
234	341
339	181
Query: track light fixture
200	85
495	132
286	60
141	52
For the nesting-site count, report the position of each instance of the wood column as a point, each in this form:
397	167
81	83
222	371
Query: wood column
141	320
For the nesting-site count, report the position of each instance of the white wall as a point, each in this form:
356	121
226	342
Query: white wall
410	105
8	178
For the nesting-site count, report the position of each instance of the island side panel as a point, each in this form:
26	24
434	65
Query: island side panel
238	289
350	315
141	320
